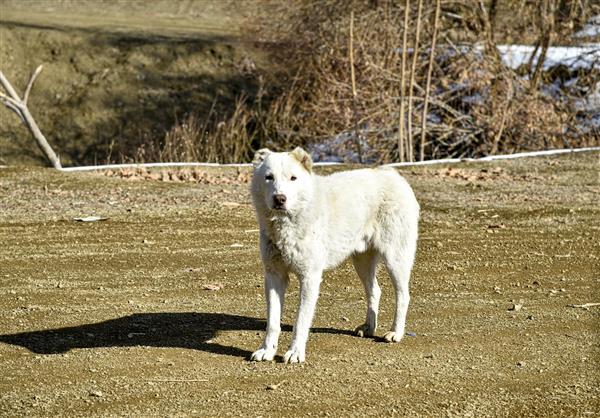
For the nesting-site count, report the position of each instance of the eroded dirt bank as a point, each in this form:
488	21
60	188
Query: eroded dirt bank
119	74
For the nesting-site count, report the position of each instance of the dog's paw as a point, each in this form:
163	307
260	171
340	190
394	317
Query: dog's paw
294	355
263	354
392	337
364	330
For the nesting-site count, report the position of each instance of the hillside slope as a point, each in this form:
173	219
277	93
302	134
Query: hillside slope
117	74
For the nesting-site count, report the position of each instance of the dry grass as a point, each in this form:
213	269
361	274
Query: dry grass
224	140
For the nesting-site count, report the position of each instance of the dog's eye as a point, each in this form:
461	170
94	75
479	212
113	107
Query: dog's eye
293	178
269	177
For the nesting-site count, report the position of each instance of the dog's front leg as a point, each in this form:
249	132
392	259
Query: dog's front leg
309	293
275	286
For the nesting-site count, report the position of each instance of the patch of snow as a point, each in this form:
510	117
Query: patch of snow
590	29
552	90
586	56
475	99
589	125
340	149
590	102
573	57
433	117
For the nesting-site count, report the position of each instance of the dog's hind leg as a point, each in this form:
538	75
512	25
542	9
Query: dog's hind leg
399	266
366	266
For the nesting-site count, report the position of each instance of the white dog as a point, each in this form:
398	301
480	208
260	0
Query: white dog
310	223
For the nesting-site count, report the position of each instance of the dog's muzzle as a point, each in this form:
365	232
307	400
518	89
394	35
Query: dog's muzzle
279	201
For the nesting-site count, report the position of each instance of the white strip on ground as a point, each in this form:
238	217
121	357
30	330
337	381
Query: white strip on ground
496	157
406	164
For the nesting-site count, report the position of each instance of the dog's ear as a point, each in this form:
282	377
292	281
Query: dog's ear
260	156
303	157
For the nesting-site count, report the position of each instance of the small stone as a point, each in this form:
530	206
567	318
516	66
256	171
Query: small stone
96	394
515	307
213	286
521	363
345	319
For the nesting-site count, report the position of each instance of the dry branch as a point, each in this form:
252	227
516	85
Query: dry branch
413	70
19	106
547	29
401	122
354	110
428	85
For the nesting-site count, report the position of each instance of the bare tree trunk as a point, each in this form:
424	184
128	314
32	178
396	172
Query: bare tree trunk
411	84
401	140
428	85
19	106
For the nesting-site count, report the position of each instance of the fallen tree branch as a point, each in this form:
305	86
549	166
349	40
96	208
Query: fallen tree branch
585	305
13	102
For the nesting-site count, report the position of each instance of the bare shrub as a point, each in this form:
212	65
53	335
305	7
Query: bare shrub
476	105
380	90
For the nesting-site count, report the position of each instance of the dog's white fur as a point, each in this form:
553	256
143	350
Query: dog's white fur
364	214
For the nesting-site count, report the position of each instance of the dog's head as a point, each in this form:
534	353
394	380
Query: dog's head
282	181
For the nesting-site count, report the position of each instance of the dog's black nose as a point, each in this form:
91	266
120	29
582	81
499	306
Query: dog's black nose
279	200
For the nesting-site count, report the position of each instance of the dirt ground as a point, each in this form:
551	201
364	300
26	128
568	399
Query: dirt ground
155	311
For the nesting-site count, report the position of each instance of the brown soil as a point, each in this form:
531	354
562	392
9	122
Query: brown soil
117	317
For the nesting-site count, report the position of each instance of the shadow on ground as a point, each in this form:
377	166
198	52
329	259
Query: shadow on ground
163	329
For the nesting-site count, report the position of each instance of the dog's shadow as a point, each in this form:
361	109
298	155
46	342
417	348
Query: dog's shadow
190	330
